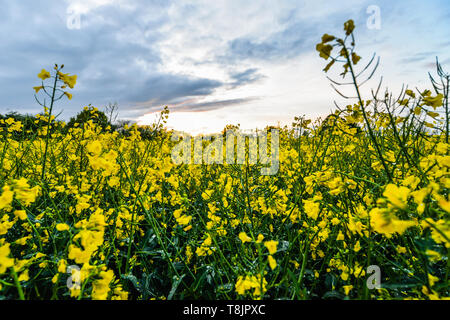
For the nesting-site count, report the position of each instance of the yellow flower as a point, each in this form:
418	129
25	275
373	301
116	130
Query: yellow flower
94	147
24	276
335	221
21	214
383	223
433	255
355	58
444	204
5	261
401	249
417	111
411	181
432	114
327	38
324	50
184	220
260	238
272	262
119	294
177	213
347	289
68	80
390	156
39	255
100	288
410	93
398	196
271	246
55	278
349	26
207	194
442	147
6	198
113	181
251	282
62	227
208	241
62	266
244	237
311	208
242	285
434	101
44	74
188	253
432	279
22	241
38	88
69	95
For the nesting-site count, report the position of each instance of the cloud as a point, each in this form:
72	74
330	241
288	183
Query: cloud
169	88
227	56
115	54
248	76
419	57
191	105
287	43
212	105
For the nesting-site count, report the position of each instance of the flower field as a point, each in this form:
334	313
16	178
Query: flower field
89	212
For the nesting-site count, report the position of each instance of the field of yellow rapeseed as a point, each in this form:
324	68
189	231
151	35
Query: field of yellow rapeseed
359	208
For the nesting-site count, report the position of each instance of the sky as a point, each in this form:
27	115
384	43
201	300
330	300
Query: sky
212	63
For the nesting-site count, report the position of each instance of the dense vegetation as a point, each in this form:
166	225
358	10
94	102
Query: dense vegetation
367	186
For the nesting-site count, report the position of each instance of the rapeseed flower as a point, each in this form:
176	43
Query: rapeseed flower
5	260
244	237
44	74
271	246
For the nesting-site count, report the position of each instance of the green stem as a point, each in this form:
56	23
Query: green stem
49	126
369	128
17	283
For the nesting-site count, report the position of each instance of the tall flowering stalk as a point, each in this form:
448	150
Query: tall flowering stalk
349	58
60	81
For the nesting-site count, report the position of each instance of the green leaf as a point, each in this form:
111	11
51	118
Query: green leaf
175	285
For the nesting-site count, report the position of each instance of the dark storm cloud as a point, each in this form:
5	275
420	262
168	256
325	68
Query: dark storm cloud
114	54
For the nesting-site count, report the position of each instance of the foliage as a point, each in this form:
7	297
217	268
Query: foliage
368	185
